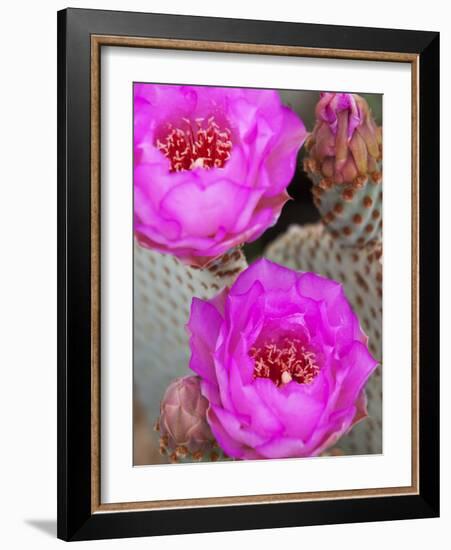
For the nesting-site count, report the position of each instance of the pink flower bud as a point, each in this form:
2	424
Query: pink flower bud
345	145
183	426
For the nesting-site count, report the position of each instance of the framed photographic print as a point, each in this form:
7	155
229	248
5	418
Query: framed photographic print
248	274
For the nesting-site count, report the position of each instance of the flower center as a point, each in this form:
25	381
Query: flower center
284	361
201	143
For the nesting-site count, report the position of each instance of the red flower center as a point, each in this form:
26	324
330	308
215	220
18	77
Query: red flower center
284	361
201	143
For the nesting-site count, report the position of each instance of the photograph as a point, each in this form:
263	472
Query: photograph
257	273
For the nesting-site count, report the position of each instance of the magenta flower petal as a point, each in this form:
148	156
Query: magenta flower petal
281	446
355	377
284	363
211	166
326	435
197	208
231	446
271	276
204	325
298	411
340	316
211	392
235	426
248	401
245	314
279	172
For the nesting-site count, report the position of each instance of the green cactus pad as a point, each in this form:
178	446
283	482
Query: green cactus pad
352	215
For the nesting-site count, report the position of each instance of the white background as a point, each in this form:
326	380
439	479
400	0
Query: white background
28	275
120	482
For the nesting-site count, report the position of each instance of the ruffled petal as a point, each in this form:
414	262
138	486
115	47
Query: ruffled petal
358	365
227	443
202	211
271	276
296	410
204	325
282	447
247	401
237	428
291	137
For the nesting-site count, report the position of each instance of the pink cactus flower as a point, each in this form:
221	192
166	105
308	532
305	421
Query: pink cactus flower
183	427
211	167
345	145
283	363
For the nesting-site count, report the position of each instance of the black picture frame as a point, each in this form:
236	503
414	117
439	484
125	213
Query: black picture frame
76	520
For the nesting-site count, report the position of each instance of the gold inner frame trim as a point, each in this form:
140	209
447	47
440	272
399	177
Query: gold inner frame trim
97	41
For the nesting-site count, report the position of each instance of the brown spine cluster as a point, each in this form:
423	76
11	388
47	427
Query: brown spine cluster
211	452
